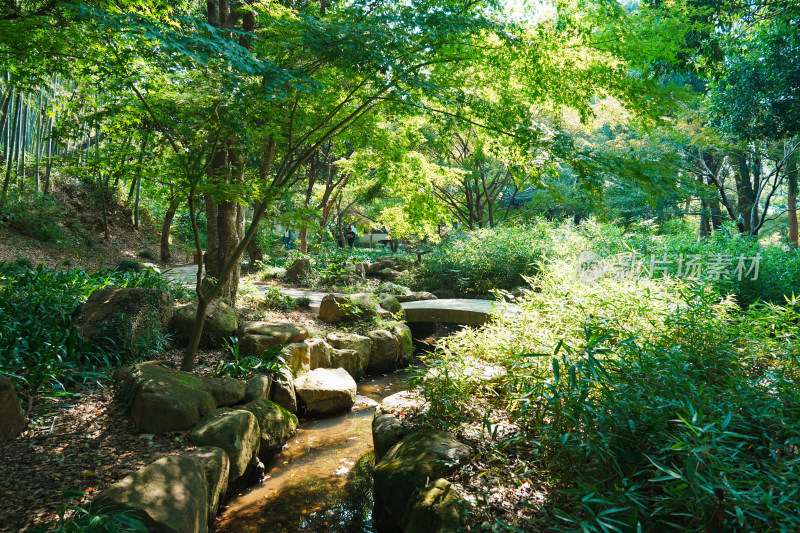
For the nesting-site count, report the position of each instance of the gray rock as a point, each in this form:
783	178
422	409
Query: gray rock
409	465
227	391
255	337
391	304
220	324
326	390
437	508
361	269
276	425
350	308
162	399
389	274
374	268
320	353
351	361
387	430
298	357
12	419
125	318
282	391
344	342
176	494
416	297
257	388
300	269
384	352
234	430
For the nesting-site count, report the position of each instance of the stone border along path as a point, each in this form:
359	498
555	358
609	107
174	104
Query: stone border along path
453	310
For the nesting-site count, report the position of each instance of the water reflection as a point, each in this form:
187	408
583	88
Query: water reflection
322	480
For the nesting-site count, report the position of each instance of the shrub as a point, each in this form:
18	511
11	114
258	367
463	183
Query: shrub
38	346
472	265
147	254
651	404
128	265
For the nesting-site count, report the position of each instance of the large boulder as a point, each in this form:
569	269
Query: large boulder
320	353
391	304
257	388
282	390
234	430
405	341
162	399
389	274
358	306
130	319
388	425
326	390
220	323
255	337
276	425
176	494
409	465
351	352
298	357
351	361
227	391
299	269
12	420
384	351
437	508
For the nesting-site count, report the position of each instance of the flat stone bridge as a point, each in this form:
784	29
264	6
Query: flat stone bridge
456	311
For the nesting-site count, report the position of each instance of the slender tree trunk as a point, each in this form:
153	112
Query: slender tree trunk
792	171
49	167
23	145
165	229
102	182
11	138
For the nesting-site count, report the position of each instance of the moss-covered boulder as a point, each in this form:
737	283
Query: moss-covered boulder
257	388
234	430
227	391
220	324
384	351
12	420
130	319
276	425
409	465
257	336
176	494
282	390
437	508
163	399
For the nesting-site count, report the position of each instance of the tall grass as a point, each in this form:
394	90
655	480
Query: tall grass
652	405
38	347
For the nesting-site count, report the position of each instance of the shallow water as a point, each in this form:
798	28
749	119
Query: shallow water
321	481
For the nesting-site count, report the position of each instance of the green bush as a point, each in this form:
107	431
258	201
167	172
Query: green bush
651	404
474	264
38	347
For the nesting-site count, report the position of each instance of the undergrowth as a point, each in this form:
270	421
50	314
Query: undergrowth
651	405
39	349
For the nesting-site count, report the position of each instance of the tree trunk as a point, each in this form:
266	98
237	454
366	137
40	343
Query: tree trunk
791	171
165	229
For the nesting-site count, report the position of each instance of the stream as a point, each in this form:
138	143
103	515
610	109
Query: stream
322	480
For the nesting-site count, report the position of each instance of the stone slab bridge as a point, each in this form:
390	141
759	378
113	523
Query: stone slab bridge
456	311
